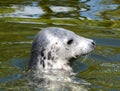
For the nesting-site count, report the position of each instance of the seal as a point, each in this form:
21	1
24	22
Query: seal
56	49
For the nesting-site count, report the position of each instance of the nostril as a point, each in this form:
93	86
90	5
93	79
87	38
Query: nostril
93	44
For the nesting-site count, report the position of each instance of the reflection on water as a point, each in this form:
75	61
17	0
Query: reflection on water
26	11
96	7
20	20
58	9
83	9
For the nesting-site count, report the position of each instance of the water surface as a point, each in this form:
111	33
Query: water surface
20	20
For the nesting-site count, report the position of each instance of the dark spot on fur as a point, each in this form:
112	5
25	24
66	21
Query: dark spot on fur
49	55
67	48
44	58
49	64
57	50
42	52
54	61
42	63
52	58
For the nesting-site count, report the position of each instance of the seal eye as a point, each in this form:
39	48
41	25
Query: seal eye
69	42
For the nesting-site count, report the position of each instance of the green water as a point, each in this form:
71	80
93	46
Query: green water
20	20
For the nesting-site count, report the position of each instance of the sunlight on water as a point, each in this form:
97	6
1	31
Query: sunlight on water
28	11
58	9
96	7
20	20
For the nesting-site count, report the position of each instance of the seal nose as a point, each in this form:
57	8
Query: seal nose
93	44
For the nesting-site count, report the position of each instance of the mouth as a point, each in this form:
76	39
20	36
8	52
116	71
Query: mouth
85	54
78	56
72	59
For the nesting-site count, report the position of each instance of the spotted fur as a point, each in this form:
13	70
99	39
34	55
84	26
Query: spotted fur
52	55
56	48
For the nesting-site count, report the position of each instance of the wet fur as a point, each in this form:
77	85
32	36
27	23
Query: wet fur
54	51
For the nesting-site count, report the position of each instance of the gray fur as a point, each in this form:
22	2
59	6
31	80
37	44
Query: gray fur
52	55
53	44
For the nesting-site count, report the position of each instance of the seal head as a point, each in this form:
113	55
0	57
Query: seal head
56	48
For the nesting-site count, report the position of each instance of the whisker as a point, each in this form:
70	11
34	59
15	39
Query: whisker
84	59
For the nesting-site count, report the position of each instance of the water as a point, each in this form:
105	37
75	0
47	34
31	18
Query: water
20	20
